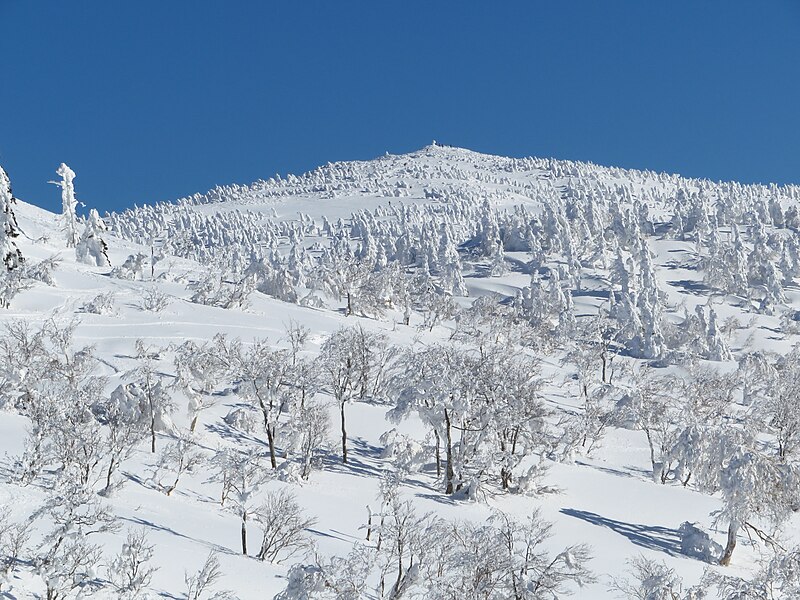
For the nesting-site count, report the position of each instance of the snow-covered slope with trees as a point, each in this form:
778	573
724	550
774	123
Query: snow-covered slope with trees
434	375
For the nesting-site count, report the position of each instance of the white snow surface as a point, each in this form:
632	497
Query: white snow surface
606	499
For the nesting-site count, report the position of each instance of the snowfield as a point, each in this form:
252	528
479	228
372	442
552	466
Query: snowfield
612	351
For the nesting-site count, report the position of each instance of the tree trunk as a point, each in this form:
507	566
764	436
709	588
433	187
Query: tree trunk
344	435
194	423
733	528
652	450
505	478
449	475
244	535
271	440
438	455
109	473
153	433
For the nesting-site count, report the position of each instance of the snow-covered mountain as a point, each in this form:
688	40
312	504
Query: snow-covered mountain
501	348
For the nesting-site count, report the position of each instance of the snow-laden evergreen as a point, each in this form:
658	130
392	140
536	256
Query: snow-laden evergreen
91	247
69	204
11	255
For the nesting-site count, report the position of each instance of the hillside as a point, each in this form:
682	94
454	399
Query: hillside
608	349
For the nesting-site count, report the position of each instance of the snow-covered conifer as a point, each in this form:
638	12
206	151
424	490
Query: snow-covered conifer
9	229
91	248
69	218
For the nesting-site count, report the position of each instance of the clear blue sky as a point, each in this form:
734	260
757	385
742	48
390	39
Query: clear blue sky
152	100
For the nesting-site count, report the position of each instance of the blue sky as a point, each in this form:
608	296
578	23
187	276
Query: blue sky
153	100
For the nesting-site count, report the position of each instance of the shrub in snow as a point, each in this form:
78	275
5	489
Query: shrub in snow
11	284
102	304
22	278
651	580
778	578
429	557
242	420
42	271
130	572
177	458
14	539
132	268
213	289
154	300
407	455
200	585
335	578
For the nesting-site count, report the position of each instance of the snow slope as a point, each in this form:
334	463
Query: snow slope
606	499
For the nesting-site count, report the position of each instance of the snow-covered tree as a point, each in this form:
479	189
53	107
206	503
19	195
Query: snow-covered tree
146	396
754	486
69	218
283	526
130	571
66	558
241	475
177	458
352	362
9	229
91	248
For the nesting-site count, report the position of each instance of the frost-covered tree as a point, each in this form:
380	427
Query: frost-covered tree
452	280
241	475
310	426
778	578
200	585
651	580
66	558
648	407
283	526
10	254
352	362
14	538
146	396
198	371
261	374
69	218
91	248
132	268
129	572
754	486
176	459
775	393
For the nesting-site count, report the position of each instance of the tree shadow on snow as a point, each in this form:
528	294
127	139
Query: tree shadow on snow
652	537
440	497
627	471
225	431
361	459
698	288
590	293
138	521
334	535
